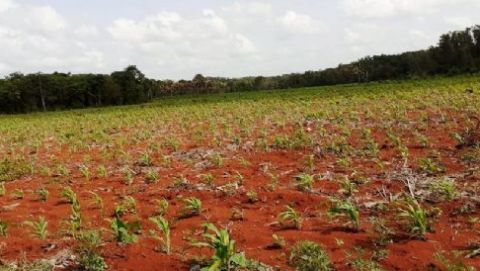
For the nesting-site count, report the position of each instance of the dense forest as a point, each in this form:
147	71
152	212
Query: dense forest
456	52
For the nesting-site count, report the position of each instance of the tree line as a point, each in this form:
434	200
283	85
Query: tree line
456	53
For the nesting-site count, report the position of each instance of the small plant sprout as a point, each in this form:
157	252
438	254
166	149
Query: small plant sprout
3	228
207	179
152	176
348	188
97	200
128	176
290	218
163	225
445	188
252	196
191	207
304	182
309	256
217	160
42	194
145	160
124	232
127	205
417	217
39	228
85	171
278	242
18	194
345	208
69	195
225	256
309	162
3	190
429	166
102	171
162	207
87	249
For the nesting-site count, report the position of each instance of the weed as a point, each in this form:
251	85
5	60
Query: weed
309	256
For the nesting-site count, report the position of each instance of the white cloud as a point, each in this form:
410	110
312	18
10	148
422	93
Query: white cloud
160	27
6	5
299	23
459	22
391	8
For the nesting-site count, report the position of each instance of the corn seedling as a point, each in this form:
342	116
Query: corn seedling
39	228
304	182
124	232
417	217
191	207
18	194
163	225
345	208
88	251
3	228
3	190
42	194
162	207
290	218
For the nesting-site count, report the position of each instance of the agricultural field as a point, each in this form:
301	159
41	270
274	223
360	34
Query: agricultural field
377	176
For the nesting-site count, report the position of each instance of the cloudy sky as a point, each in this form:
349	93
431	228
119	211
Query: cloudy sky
179	38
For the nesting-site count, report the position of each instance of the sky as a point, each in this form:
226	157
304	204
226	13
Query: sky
180	38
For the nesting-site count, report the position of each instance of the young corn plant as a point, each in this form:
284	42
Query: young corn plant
145	160
290	218
417	217
124	232
162	207
345	208
88	251
225	257
42	194
191	207
18	194
348	188
446	189
69	195
152	176
3	190
39	228
102	171
85	171
304	182
164	226
3	228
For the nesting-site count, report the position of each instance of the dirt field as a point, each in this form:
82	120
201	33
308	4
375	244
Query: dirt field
404	157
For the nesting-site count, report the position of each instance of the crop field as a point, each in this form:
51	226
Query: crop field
377	176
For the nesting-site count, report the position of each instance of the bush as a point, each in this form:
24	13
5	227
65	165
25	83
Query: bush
309	256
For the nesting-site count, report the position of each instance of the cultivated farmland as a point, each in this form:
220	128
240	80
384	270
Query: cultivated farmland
377	176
